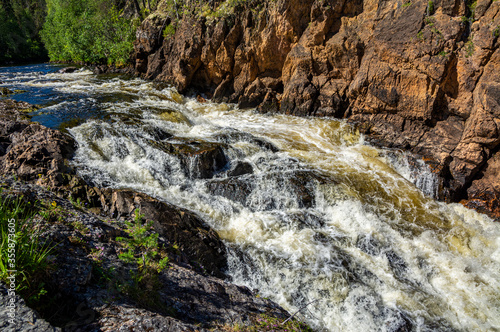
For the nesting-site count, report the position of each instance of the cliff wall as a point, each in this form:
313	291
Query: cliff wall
418	75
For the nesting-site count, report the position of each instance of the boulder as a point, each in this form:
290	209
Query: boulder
67	70
194	237
31	151
199	159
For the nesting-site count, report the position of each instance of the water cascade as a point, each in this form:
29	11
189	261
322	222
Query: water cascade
309	211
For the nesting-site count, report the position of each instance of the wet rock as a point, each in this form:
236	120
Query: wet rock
26	319
237	136
174	116
158	134
195	238
300	189
67	70
5	91
241	168
199	159
234	188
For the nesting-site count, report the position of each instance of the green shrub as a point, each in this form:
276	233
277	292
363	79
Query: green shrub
169	31
496	31
469	47
142	249
142	246
430	7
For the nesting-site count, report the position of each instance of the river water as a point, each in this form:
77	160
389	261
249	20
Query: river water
318	216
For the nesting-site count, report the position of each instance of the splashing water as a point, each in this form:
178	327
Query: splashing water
309	212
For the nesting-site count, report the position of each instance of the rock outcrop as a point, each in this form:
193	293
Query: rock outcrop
413	74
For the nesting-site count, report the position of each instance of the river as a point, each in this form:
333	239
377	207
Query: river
315	215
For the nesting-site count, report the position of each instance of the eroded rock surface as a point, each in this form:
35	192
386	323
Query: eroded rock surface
25	320
420	75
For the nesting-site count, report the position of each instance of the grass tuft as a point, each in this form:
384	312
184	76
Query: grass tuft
22	249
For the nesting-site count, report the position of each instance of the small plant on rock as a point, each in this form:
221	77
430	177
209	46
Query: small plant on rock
142	249
430	8
76	203
142	245
469	47
169	31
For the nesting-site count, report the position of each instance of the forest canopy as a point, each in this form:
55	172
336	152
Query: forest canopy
20	22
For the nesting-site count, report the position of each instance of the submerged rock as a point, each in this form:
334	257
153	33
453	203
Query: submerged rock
5	91
174	116
265	191
241	168
67	70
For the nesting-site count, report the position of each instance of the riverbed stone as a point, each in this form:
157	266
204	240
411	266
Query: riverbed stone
199	159
67	70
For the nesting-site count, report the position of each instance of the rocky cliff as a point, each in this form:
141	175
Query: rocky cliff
413	74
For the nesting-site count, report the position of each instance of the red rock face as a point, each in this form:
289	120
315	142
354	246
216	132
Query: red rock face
414	77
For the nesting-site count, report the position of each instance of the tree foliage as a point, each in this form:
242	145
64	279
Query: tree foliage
88	31
20	22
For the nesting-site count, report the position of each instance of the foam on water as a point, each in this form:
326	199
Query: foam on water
371	248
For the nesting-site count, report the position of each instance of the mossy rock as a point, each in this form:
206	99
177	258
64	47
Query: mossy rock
175	117
5	91
28	109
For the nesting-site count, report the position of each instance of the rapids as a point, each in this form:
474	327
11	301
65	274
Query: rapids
323	218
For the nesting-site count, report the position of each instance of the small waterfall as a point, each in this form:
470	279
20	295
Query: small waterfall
414	170
309	212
